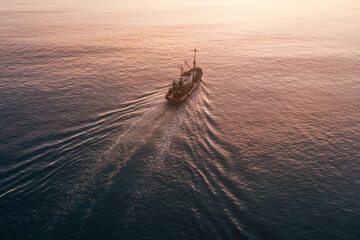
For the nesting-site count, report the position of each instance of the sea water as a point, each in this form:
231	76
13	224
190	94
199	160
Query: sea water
268	147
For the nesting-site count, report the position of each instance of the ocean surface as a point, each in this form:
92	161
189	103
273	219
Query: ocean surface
268	147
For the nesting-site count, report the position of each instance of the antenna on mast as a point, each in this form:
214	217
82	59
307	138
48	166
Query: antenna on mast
194	64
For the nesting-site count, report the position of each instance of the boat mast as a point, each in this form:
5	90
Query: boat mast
194	64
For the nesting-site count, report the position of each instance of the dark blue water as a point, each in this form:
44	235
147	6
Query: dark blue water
268	147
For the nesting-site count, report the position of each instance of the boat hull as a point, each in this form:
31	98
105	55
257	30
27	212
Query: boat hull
196	84
184	97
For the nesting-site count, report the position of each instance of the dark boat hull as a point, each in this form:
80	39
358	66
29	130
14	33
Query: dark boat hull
197	81
184	97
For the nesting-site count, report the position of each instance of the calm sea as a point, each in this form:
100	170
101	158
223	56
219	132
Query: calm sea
268	147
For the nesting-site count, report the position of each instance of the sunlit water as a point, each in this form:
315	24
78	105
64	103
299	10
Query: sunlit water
268	147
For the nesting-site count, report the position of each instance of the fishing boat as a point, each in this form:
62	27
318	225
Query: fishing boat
182	87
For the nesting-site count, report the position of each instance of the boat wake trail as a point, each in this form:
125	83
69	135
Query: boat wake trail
182	114
139	152
162	144
152	133
158	164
